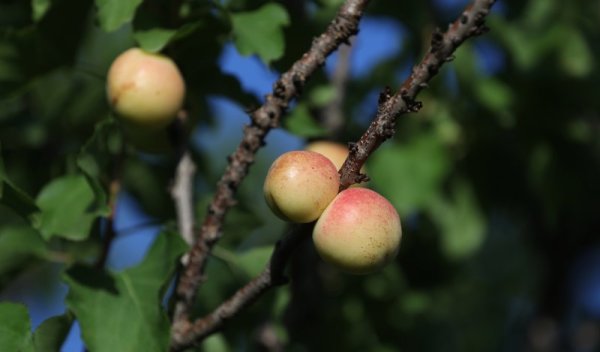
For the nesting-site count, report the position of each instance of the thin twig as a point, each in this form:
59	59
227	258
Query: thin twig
470	23
272	275
182	189
109	234
289	85
333	113
391	106
114	187
182	193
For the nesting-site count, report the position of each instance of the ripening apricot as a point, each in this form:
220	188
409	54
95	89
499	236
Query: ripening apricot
336	152
145	90
300	185
359	232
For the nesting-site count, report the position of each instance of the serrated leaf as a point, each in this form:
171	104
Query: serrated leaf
301	123
51	334
112	14
409	175
66	208
461	222
260	32
15	328
122	311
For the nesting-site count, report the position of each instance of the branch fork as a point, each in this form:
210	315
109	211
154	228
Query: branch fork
187	332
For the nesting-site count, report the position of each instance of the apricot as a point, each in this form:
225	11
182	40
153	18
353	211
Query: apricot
145	90
300	185
359	232
336	152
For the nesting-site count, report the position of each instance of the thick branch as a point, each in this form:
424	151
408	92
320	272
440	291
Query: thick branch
344	25
391	106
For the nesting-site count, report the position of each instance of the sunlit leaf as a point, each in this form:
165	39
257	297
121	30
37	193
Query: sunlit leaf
409	175
39	8
301	123
66	208
260	31
462	224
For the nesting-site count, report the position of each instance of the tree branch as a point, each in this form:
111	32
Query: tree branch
182	188
182	194
185	334
333	113
470	23
391	106
289	85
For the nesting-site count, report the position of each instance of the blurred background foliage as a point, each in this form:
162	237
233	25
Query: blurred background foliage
496	178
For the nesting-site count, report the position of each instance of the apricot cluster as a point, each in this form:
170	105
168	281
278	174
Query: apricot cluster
357	230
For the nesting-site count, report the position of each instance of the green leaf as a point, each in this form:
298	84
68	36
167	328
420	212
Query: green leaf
112	14
301	123
409	175
66	208
254	260
51	334
12	196
494	94
122	311
216	343
260	32
15	328
97	156
322	95
461	222
540	12
39	8
18	244
575	54
155	39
